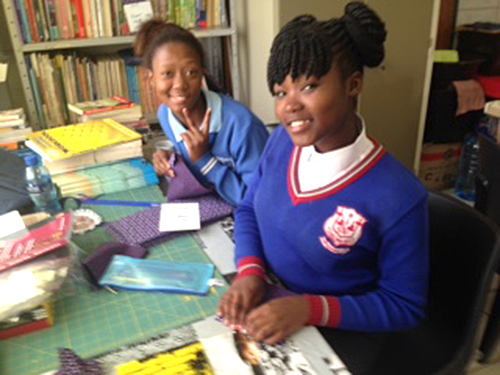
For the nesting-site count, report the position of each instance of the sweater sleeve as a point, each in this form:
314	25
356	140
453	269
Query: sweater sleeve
399	301
249	247
246	148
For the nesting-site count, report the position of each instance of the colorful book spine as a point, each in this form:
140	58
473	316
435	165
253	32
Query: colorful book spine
87	17
201	14
80	16
39	20
32	20
23	26
62	18
50	9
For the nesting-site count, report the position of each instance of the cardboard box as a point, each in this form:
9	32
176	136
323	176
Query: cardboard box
439	165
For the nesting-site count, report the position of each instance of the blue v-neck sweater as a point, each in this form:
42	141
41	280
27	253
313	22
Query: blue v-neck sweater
357	248
237	140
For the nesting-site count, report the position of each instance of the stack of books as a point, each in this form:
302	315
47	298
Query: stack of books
93	158
117	108
13	129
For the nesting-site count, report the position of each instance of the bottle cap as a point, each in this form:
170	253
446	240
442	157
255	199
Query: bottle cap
31	160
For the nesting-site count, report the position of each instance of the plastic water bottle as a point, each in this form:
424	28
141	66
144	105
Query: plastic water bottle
40	186
465	186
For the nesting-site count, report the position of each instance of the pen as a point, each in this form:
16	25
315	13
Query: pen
103	202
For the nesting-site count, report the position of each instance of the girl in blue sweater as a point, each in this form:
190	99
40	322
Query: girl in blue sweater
335	217
220	139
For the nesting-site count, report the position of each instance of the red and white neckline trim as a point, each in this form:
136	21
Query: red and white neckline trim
353	174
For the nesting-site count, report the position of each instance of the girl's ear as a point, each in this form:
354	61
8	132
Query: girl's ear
150	78
355	84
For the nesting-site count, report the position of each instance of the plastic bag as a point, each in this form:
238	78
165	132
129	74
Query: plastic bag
156	275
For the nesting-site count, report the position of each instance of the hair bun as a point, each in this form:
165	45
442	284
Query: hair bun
368	32
299	21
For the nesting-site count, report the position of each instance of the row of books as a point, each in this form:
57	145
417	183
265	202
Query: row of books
61	79
50	20
93	158
67	78
13	128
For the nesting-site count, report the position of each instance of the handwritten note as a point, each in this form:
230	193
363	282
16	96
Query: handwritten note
179	217
137	14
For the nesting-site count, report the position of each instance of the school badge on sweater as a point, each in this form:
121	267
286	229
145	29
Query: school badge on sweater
343	230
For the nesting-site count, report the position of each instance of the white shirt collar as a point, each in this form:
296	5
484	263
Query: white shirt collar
319	169
214	101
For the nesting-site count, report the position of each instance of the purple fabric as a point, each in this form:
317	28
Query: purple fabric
96	264
143	227
184	184
71	364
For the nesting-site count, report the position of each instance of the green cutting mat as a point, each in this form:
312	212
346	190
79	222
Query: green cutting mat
92	322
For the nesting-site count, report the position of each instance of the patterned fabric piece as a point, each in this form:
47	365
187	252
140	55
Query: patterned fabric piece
97	263
71	364
143	228
184	184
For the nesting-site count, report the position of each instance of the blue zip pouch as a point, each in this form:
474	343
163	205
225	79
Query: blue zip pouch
152	275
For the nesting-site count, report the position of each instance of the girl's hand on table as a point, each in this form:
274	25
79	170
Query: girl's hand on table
244	295
276	320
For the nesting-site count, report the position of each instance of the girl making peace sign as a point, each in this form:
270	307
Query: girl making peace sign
220	139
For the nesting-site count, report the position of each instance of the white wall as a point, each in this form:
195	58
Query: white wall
470	11
256	29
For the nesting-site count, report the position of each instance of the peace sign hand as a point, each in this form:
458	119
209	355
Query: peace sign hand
197	141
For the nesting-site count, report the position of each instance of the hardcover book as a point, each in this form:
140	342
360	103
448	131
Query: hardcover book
102	105
40	241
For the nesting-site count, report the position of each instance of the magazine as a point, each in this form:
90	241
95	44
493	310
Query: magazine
209	347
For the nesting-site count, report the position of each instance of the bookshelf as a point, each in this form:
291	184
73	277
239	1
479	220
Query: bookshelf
101	46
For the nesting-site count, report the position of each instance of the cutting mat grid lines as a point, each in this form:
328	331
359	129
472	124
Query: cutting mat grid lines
94	322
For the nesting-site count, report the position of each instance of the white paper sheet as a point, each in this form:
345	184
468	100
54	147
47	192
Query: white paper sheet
179	217
137	14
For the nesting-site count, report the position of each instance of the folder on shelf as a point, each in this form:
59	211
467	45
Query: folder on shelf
67	141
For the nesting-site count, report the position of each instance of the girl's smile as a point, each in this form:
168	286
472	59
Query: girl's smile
319	112
177	78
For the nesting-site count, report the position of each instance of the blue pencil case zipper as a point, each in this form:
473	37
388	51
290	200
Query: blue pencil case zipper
126	273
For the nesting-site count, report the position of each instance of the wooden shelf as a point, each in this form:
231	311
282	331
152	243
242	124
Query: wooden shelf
117	40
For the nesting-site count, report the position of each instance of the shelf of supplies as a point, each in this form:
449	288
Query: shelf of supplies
116	40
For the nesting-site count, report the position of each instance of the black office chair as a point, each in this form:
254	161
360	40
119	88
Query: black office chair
464	247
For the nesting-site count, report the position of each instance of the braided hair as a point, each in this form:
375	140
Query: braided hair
305	46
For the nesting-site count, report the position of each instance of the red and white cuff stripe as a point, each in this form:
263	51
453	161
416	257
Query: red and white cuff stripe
252	266
325	311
